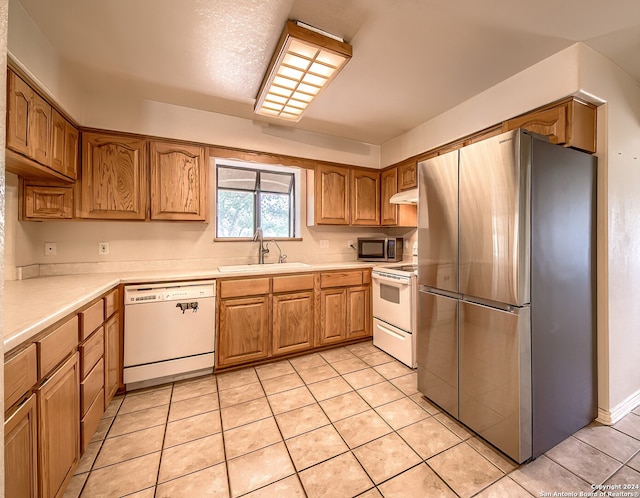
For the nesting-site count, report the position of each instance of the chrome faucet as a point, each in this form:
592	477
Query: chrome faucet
282	258
262	250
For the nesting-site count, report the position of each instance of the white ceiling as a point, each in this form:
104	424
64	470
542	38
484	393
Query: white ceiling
412	59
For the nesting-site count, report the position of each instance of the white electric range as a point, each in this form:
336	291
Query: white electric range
394	311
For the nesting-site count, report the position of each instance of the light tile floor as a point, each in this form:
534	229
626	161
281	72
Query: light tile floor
344	422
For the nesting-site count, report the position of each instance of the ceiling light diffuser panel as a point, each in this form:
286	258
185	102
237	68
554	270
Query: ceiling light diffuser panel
304	63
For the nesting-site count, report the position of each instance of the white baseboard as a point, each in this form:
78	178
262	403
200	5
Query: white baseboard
617	413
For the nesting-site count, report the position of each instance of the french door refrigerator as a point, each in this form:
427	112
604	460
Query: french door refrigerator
506	280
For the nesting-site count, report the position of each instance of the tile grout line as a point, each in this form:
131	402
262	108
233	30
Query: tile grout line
164	437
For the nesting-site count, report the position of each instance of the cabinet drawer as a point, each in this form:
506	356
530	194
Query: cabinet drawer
57	345
91	319
340	279
20	375
48	202
89	423
91	386
292	283
91	351
111	303
244	288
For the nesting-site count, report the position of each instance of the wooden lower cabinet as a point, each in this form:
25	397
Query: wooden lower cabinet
358	312
244	330
59	422
111	357
333	315
21	451
292	322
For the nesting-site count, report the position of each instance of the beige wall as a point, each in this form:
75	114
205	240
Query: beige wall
27	45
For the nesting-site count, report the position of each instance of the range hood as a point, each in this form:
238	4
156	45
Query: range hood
406	197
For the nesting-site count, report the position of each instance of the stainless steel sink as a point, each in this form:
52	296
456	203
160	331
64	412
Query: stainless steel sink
255	267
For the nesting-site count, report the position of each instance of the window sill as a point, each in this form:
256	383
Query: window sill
250	239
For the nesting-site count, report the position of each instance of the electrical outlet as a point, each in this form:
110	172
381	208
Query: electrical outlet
50	249
103	248
349	243
324	244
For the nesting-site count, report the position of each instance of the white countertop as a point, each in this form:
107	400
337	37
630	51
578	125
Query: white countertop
32	305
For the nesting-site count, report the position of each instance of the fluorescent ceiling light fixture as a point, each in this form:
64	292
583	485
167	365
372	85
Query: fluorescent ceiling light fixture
304	62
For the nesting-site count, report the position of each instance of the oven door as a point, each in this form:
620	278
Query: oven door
392	300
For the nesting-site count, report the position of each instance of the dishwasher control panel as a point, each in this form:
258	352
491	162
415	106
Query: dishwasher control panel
140	294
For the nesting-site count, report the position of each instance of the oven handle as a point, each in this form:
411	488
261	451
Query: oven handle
391	332
392	281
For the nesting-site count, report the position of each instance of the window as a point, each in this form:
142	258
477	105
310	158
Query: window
252	197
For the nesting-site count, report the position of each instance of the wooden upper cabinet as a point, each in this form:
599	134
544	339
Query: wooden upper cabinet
114	177
179	188
365	199
40	131
47	202
19	107
64	146
404	215
332	195
571	123
408	175
389	186
29	121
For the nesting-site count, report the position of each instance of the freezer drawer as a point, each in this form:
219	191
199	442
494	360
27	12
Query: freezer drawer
495	376
437	350
397	342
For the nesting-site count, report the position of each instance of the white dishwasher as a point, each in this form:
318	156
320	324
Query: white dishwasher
169	332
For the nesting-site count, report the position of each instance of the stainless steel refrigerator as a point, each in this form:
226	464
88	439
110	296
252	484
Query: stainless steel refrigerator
506	279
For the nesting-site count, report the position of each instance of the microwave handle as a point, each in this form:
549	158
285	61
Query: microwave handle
391	281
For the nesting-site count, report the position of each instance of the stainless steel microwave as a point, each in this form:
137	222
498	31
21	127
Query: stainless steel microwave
380	249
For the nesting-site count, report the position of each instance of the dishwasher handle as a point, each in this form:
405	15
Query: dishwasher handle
188	306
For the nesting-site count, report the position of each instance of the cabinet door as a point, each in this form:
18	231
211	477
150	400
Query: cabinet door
243	330
58	131
71	150
332	195
46	202
59	423
358	312
40	130
19	104
111	357
408	175
179	188
21	452
333	315
292	322
365	201
114	177
389	181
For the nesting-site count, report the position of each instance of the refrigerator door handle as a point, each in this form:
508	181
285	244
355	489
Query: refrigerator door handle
439	292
